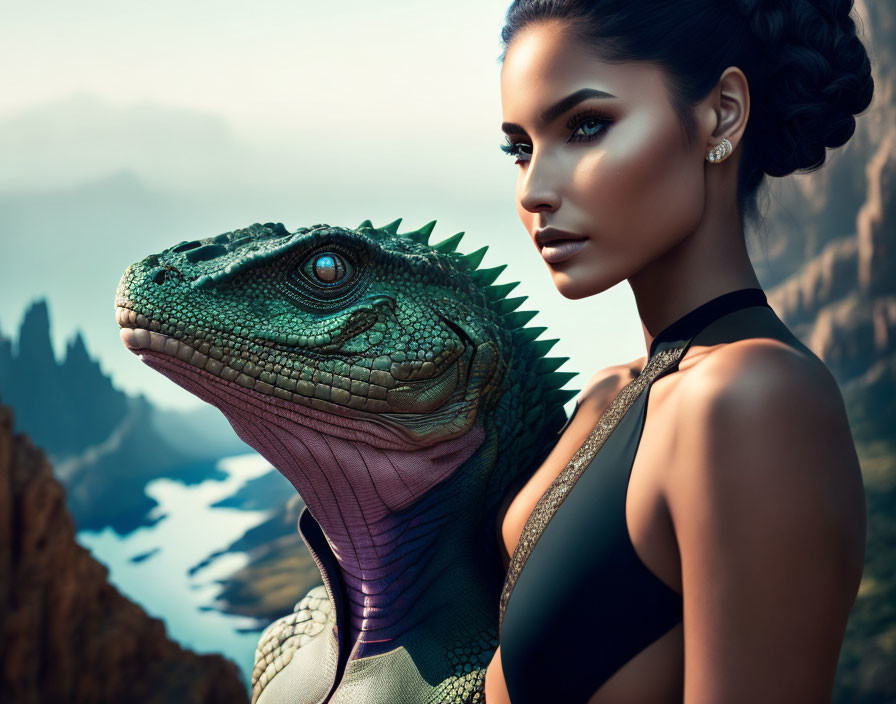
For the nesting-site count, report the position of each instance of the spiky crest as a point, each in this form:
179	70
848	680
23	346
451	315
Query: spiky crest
524	336
421	235
449	245
474	259
392	227
517	320
508	305
486	277
546	365
499	291
542	347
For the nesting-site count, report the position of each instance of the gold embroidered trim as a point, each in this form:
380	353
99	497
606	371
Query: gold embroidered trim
554	495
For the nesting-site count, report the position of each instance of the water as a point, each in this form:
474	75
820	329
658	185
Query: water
190	530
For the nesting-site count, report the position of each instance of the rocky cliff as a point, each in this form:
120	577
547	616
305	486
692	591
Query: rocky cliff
827	253
827	259
66	634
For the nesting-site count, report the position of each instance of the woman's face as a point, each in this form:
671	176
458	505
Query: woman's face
614	171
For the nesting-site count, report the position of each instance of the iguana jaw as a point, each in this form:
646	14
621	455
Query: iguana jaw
398	399
193	372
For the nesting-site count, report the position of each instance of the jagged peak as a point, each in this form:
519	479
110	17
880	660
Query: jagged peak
76	350
37	311
546	365
34	332
542	347
558	396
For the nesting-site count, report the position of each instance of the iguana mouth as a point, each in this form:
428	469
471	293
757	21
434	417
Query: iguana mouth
415	387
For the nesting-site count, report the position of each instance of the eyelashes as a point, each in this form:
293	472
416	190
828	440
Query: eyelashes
593	122
587	126
514	148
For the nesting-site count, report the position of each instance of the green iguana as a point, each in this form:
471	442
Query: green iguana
399	390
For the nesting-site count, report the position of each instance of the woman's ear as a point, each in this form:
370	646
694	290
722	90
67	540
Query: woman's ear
725	111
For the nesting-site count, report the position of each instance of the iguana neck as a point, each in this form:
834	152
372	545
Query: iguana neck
392	546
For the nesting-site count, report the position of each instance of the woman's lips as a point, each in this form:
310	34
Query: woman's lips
561	250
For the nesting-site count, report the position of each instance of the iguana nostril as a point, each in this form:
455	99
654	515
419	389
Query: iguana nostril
185	246
166	273
203	254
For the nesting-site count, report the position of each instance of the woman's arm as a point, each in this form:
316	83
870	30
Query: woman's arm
768	507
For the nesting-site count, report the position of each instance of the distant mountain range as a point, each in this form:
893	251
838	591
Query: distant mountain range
105	445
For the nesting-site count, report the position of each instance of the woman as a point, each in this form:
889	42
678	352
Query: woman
707	547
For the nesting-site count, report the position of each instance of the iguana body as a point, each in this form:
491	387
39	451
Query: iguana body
398	390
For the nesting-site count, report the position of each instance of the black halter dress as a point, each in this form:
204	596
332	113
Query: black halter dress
578	602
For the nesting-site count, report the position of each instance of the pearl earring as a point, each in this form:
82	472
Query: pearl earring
720	152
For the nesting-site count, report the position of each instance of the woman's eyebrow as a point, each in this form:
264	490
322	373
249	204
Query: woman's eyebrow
558	108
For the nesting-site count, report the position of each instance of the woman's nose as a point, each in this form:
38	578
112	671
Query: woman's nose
538	191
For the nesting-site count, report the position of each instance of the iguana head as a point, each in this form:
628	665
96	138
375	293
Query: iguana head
363	334
376	329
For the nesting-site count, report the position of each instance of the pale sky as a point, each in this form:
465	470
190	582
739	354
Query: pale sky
126	127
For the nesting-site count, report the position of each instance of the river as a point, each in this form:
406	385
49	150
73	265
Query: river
151	564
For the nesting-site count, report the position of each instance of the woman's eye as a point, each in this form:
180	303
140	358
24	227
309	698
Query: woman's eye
327	269
587	127
520	150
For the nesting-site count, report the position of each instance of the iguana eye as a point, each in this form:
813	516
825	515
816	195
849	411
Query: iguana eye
326	275
327	269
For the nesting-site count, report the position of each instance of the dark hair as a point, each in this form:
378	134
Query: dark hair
808	72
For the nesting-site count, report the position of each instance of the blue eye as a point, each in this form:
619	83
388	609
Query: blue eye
587	126
516	149
588	129
327	269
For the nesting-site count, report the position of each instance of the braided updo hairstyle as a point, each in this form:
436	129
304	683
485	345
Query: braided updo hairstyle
808	72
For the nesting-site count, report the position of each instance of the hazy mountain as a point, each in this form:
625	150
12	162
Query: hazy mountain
64	407
105	446
95	138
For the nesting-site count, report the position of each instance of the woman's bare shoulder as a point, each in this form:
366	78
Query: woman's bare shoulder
763	358
762	395
767	505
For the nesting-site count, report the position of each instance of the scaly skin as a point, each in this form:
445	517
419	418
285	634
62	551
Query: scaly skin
400	393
